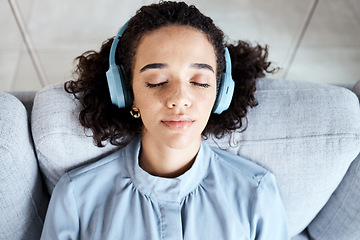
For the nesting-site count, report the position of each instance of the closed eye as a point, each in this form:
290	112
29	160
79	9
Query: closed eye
150	85
203	85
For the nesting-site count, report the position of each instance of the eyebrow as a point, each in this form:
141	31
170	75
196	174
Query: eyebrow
153	66
202	66
164	65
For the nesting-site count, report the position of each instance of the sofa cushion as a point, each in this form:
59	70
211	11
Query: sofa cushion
61	143
340	218
23	201
301	236
307	134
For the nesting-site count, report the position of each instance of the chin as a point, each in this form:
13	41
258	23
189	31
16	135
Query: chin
183	142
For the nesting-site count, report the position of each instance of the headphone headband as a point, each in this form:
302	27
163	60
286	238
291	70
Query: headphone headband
121	95
119	91
122	29
115	43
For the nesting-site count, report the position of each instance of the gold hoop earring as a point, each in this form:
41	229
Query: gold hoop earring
135	112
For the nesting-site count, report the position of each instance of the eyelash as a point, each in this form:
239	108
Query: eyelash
149	85
203	85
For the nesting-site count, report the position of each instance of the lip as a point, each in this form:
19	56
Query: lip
178	122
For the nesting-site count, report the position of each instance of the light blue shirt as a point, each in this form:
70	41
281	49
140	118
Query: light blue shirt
222	196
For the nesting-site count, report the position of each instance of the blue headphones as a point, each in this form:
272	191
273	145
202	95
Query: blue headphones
120	92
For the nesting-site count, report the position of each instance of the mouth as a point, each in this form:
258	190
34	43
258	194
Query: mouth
178	122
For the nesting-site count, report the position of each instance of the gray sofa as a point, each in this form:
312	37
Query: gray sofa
307	134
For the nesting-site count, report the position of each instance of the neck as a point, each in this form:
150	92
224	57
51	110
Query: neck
163	161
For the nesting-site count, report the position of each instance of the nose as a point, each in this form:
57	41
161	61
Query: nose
178	96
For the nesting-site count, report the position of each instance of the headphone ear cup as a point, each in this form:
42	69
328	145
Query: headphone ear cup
119	93
127	92
225	95
226	88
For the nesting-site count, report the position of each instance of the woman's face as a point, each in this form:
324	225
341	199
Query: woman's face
174	84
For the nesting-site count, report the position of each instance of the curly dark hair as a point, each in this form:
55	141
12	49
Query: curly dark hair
109	123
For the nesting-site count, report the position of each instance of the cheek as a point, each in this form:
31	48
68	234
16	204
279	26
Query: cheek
139	97
209	99
146	102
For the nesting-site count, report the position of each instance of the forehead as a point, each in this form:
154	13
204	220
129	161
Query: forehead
174	42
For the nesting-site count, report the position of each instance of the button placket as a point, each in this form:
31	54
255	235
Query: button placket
171	225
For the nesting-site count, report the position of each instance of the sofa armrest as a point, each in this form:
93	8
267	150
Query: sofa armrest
27	99
356	89
23	200
340	218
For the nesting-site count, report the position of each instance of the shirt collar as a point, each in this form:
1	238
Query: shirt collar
166	189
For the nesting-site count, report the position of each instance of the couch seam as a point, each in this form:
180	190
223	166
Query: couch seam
323	136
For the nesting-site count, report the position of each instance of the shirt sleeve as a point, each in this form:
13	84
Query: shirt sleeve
269	220
62	220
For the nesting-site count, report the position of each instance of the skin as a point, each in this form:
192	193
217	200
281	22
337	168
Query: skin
174	84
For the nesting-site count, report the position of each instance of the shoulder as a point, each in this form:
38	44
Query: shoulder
98	176
112	163
101	165
246	178
241	168
246	185
93	179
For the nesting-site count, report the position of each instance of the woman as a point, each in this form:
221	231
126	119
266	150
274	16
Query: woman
166	183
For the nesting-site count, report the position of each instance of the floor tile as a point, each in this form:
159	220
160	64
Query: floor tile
8	28
58	65
279	21
335	23
25	78
329	52
355	6
76	24
326	65
8	68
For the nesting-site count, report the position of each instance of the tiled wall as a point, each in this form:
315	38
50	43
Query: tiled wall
62	30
